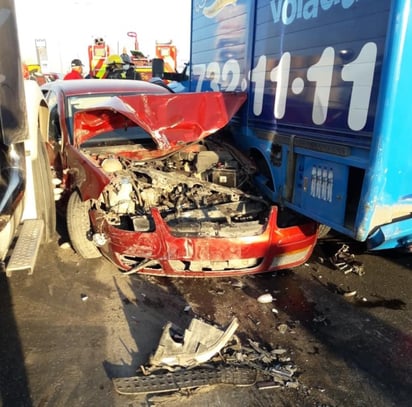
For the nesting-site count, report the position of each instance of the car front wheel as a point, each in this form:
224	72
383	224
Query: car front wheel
79	227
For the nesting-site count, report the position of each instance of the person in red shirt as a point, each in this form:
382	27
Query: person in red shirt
77	70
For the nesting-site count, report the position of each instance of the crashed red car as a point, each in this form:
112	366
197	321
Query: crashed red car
153	186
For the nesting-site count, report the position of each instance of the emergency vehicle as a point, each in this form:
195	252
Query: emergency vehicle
27	209
328	111
100	56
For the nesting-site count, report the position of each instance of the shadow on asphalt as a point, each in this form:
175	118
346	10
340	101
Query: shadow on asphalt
373	345
14	388
153	303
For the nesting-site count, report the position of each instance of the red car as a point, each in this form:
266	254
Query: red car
152	185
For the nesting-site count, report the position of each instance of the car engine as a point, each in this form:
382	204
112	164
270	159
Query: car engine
204	190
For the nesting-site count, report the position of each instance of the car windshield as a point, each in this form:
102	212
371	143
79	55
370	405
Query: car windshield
127	136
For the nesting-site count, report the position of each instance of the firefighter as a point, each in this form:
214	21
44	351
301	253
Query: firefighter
115	67
77	70
131	73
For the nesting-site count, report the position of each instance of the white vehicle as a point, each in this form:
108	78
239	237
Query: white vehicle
27	210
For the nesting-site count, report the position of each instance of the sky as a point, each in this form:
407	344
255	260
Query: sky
69	26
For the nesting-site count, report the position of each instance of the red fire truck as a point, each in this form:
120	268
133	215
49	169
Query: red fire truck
100	56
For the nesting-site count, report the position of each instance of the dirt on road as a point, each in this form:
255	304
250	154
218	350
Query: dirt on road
74	325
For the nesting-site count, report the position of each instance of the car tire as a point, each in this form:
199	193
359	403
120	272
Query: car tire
79	227
43	191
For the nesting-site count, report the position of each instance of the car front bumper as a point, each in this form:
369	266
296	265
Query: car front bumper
163	254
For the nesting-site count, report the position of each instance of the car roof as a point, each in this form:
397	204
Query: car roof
95	86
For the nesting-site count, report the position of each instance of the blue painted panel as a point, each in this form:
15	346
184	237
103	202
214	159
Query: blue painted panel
308	64
220	45
334	72
388	187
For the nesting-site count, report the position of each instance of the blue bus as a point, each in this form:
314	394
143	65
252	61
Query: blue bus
328	116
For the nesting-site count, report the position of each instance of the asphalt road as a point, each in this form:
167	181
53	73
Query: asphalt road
73	325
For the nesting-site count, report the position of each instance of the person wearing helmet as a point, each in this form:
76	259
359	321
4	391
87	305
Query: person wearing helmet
77	70
114	67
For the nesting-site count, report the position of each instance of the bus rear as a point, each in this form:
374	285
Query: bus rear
328	117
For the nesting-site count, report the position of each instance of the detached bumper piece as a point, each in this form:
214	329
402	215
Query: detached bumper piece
177	362
185	379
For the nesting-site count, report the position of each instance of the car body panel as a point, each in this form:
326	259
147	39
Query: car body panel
85	175
168	196
172	120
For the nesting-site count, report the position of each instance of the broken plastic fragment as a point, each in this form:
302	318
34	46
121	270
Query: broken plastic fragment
265	298
200	343
350	293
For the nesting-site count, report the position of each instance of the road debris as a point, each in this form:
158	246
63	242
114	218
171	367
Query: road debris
345	262
265	298
321	319
275	311
237	284
206	355
349	294
254	320
282	328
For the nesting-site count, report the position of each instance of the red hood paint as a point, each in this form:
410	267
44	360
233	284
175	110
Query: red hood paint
173	120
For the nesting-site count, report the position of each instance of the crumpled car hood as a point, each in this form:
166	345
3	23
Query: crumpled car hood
173	120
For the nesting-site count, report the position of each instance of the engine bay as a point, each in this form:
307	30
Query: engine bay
205	189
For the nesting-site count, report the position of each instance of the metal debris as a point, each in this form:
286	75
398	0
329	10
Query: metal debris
185	379
345	261
207	355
